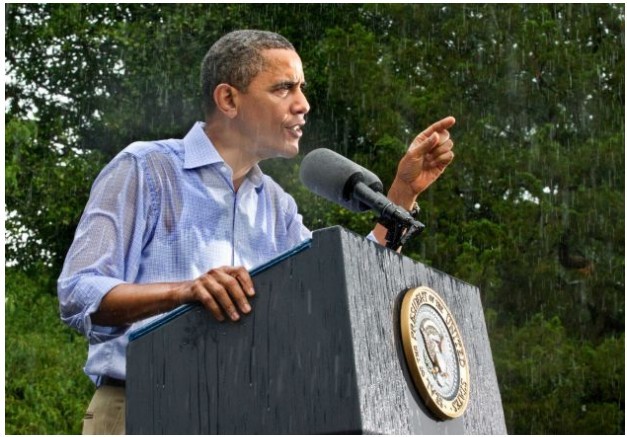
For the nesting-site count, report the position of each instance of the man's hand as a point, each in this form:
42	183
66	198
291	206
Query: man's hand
222	291
425	160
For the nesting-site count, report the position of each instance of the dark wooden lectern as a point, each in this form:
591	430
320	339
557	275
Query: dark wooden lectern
320	353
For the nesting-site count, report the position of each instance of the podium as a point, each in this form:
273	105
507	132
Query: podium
321	352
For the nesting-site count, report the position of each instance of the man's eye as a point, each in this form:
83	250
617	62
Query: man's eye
285	89
282	90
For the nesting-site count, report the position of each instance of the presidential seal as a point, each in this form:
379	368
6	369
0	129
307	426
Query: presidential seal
435	353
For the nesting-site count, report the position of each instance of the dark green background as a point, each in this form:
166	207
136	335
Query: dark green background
538	93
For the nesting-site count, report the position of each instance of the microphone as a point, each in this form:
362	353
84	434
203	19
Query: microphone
340	180
332	176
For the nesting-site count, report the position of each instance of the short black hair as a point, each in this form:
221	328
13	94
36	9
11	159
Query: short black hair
236	59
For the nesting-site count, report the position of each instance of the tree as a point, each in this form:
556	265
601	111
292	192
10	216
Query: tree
536	188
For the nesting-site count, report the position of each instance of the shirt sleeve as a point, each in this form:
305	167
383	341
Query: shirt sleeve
107	246
297	232
371	237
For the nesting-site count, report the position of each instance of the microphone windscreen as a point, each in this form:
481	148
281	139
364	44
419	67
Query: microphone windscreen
332	176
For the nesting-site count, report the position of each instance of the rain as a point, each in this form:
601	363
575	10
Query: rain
531	210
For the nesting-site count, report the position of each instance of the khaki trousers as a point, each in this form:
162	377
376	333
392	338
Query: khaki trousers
106	412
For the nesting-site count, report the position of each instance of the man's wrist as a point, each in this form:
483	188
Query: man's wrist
402	196
180	293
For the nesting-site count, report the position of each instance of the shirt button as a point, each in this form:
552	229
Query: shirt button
223	169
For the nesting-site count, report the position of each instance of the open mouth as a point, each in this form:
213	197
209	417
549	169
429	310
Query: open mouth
296	130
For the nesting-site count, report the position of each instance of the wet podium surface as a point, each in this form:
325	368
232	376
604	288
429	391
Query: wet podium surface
320	353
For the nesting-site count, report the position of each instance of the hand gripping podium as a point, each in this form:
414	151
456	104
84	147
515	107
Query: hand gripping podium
321	352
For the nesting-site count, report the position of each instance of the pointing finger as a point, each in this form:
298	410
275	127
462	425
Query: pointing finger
438	126
420	146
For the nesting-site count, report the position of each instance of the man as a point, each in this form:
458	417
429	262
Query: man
176	221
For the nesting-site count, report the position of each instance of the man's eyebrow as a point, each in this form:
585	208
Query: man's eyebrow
288	84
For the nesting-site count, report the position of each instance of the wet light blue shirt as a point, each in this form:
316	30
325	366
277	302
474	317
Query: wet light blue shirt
165	211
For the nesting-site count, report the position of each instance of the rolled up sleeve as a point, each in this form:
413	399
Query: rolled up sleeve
107	246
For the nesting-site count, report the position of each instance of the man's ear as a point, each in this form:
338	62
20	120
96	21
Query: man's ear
225	97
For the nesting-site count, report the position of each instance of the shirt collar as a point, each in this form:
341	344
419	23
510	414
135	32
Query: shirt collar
200	151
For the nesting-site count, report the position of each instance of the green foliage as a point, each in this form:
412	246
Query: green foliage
538	93
552	383
46	391
47	184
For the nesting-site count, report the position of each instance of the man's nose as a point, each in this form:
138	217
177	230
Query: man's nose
300	105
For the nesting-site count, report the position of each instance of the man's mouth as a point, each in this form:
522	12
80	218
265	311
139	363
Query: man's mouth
296	130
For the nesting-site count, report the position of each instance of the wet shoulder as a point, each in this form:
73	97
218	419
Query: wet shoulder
169	149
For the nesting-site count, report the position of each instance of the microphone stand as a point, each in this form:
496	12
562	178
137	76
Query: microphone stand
400	229
400	224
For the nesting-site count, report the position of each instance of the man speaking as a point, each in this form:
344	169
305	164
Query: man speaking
175	221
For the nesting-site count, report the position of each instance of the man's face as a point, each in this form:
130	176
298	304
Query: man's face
272	111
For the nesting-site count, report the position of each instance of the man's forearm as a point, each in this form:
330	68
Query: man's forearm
128	303
222	291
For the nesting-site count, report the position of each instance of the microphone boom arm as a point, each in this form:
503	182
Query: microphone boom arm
340	180
401	225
